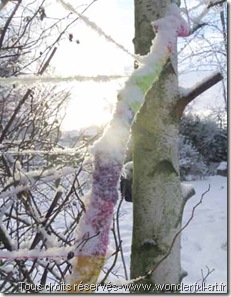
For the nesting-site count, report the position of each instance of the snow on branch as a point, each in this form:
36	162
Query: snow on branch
54	253
52	152
96	28
187	95
202	86
214	3
32	178
32	79
45	175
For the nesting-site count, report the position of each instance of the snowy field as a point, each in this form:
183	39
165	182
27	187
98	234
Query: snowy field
204	241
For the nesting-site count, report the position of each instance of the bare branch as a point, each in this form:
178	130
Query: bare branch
197	27
46	64
215	3
197	90
204	277
119	238
3	33
21	102
202	87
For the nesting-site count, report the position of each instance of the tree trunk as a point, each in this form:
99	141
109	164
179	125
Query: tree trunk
146	12
156	182
156	190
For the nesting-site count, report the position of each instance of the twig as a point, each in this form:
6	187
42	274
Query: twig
119	237
215	3
204	277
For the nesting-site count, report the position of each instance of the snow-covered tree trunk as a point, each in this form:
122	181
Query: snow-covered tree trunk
156	180
157	195
156	184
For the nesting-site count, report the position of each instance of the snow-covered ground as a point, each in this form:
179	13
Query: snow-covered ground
204	241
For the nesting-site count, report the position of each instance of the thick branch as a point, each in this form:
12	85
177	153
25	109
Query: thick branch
216	3
197	27
197	90
202	87
46	64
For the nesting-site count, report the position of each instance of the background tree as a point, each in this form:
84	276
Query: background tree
190	160
207	135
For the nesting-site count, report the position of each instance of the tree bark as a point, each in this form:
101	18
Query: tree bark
156	190
156	184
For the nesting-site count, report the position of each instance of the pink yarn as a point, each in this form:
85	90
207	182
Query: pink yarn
183	30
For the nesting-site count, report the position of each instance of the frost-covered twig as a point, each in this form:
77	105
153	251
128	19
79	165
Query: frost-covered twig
53	152
96	28
118	244
119	237
35	79
34	178
204	277
50	253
